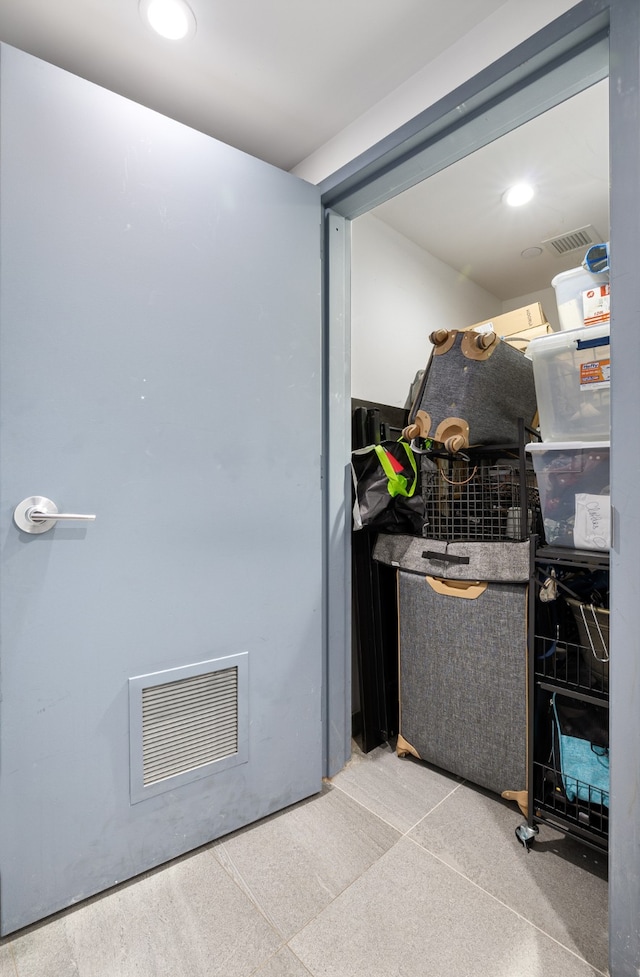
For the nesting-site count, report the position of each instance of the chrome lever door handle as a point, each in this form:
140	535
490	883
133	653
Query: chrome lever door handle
38	514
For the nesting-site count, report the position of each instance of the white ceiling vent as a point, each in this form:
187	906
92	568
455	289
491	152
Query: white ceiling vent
578	240
187	723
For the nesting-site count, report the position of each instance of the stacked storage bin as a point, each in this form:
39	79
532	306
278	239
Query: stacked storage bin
569	776
572	379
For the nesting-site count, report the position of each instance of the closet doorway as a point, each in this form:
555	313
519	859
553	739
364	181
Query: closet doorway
568	57
545	71
447	253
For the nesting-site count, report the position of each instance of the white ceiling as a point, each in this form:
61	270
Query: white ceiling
268	77
276	78
458	214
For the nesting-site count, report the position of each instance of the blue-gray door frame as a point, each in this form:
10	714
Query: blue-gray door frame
592	39
337	495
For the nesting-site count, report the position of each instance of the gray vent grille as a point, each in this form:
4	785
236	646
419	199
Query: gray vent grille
189	723
578	240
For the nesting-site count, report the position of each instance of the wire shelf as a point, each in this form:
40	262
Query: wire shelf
571	666
551	802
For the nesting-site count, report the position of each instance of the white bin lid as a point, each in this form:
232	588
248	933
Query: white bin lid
595	277
568	339
535	446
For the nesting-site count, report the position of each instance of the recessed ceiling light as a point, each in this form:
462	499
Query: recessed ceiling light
518	194
172	19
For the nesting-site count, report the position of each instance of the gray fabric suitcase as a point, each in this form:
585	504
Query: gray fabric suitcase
463	657
474	389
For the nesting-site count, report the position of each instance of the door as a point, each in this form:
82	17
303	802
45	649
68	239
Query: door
160	370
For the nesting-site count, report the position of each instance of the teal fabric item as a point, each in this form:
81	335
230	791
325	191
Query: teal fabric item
584	767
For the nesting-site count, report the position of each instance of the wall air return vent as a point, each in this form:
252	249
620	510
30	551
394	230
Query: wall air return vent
187	723
578	240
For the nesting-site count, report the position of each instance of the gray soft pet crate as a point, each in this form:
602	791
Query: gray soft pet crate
463	657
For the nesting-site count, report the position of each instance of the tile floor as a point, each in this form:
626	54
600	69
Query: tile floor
395	869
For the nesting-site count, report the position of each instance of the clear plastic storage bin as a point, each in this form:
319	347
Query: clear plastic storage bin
571	372
573	484
569	287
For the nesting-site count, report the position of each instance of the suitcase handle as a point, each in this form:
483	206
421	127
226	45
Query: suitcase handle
468	589
444	557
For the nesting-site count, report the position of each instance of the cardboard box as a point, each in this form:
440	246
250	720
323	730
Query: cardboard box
517	321
522	339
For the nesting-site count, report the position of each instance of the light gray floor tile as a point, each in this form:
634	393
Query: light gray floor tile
412	916
44	949
400	790
283	964
7	968
561	885
187	920
367	901
295	863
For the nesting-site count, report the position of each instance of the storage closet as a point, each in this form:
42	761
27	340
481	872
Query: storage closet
624	894
502	598
469	512
502	594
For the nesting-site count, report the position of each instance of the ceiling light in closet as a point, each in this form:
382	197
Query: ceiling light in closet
173	19
518	194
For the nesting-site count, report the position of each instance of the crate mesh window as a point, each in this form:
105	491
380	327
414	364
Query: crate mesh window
478	502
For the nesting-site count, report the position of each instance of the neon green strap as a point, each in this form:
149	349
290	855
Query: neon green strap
396	483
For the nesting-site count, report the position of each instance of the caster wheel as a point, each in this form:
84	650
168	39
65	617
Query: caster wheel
526	834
